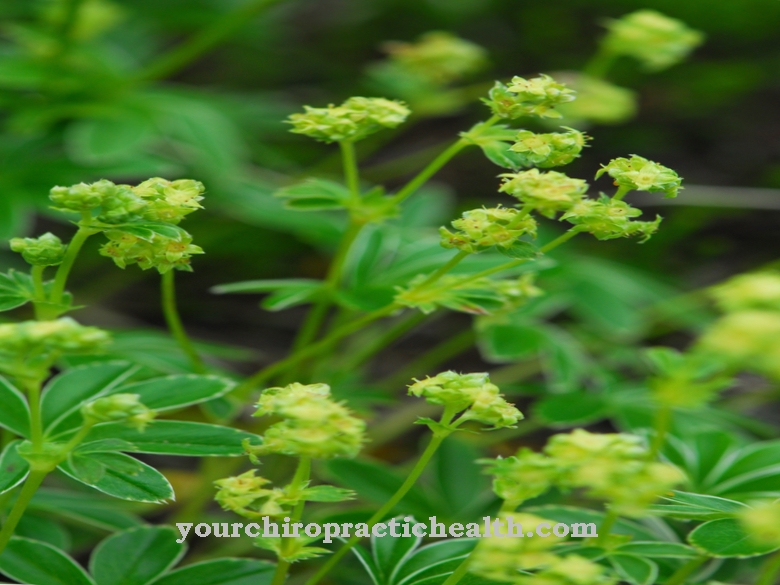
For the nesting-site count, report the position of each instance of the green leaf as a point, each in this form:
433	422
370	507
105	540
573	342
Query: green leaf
520	250
659	550
85	508
726	538
634	569
13	467
390	553
314	194
688	506
44	529
571	409
14	414
65	393
105	140
31	561
221	572
13	290
135	556
263	286
571	515
327	493
437	559
173	392
459	479
120	476
509	341
368	563
169	437
146	230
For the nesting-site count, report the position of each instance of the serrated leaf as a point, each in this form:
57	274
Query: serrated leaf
136	556
120	476
32	561
634	569
13	467
168	437
221	572
14	291
726	538
14	414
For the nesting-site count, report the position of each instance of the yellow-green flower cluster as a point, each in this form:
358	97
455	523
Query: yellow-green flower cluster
759	290
613	467
639	174
522	476
480	229
472	393
353	120
169	201
248	496
762	522
83	196
154	250
553	149
569	570
314	424
548	192
598	101
29	348
686	379
124	408
608	218
438	56
46	250
529	97
651	37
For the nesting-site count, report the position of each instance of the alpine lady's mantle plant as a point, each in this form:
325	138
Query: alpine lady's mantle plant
83	420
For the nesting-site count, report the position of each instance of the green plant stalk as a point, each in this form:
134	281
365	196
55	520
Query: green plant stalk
460	572
63	270
621	192
351	174
411	479
33	388
663	421
606	526
452	263
31	485
680	575
40	294
301	477
201	42
175	325
398	329
769	571
433	167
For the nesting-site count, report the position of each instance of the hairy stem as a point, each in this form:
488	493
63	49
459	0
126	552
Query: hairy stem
63	270
31	485
175	325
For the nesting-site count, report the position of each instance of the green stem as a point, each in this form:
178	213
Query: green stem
351	174
681	574
31	485
175	326
201	42
33	388
411	479
433	167
663	421
452	263
606	526
398	329
40	293
770	570
460	572
620	193
72	252
302	473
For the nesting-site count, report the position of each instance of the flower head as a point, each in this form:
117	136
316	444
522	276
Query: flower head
553	149
522	476
762	522
655	39
548	192
81	197
155	251
124	408
169	201
353	120
481	229
248	496
640	174
529	97
438	56
607	219
760	290
46	250
50	338
314	424
597	101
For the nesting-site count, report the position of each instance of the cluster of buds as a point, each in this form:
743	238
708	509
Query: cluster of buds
613	467
472	393
762	522
480	229
314	424
353	120
46	250
438	56
83	196
482	296
124	408
529	97
248	495
656	40
608	218
553	149
30	347
522	476
154	250
639	174
548	193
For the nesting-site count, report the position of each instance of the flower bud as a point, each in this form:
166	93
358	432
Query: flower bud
481	400
481	229
528	97
47	250
314	425
246	496
353	120
554	149
81	197
438	56
124	408
651	37
762	522
169	201
548	192
760	290
640	174
160	252
608	218
60	336
122	206
522	476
